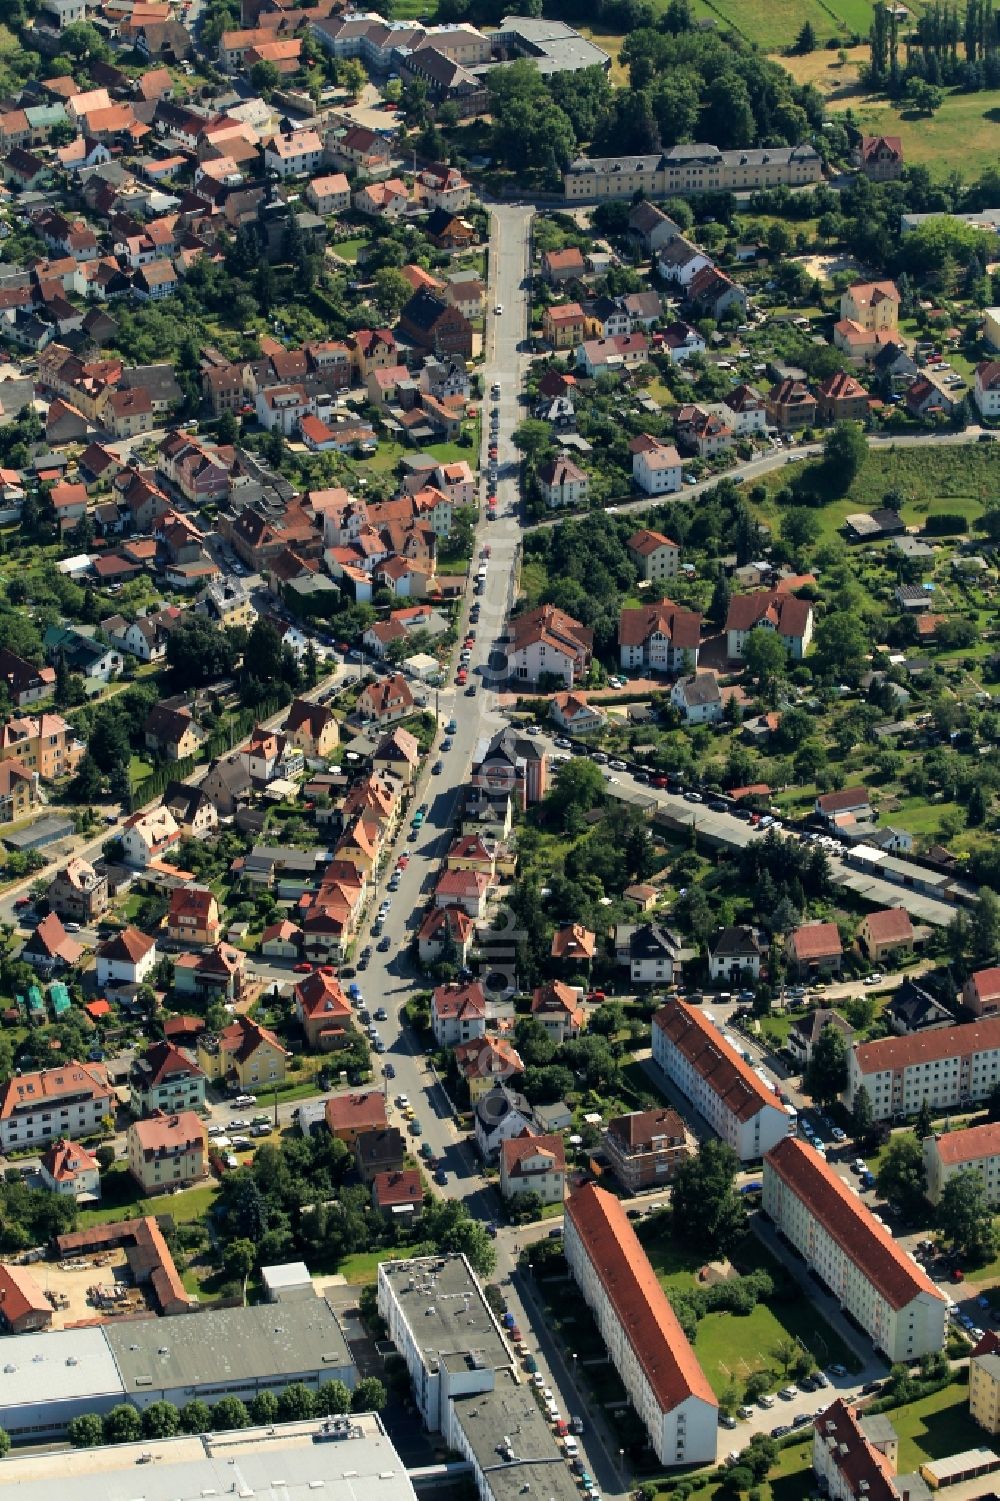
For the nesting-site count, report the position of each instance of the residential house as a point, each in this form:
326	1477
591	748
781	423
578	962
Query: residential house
806	1031
533	1164
191	809
704	430
385	701
573	714
735	956
560	266
697	698
219	974
713	294
986	391
650	227
399	1195
815	949
458	1013
70	1170
657	557
656	466
170	730
873	305
50	948
193	916
789	617
573	945
19	794
645	1149
913	1009
127	959
748	410
486	1061
147	837
500	1115
886	935
655	955
165	1078
547	642
26	683
167	1152
981	992
439	922
293	155
323	1011
78	891
679	261
616	355
879	158
790	405
378	1151
24	1307
661	638
281	940
312	728
853	803
564	325
227	784
349	1115
66	1102
842	398
329	194
557	1008
563	483
431	323
244	1053
45	744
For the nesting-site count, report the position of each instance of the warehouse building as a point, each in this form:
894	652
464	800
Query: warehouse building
49	1378
876	1281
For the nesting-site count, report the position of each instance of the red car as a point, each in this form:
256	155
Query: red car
660	782
327	969
461	676
23	901
562	1428
302	969
597	995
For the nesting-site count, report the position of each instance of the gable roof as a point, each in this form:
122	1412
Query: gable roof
647	1320
742	1091
892	1053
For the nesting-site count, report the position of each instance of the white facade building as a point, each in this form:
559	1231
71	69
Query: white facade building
735	1101
953	1152
875	1280
647	1345
69	1101
657	471
946	1067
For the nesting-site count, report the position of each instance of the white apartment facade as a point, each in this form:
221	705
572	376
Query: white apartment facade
951	1066
736	1102
659	1369
875	1280
69	1101
976	1147
657	471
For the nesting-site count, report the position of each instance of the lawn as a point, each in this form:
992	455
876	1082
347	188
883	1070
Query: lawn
934	1427
121	1200
774	26
364	1265
961	137
138	770
347	250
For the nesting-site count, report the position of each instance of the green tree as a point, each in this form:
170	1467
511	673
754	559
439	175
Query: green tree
800	527
862	1115
901	1179
841	644
924	1124
706	1210
579	788
826	1074
926	98
228	1413
85	1431
264	77
333	1397
122	1425
985	926
369	1395
764	658
392	292
5	1442
239	1259
196	1417
532	438
263	1408
844	452
296	1403
806	39
965	1218
160	1420
352	77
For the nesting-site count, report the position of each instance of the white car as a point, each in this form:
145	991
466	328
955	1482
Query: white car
498	309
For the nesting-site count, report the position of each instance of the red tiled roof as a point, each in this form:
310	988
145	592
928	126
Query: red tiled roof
926	1047
645	542
715	1059
400	1187
638	1130
816	940
892	925
514	1152
970	1145
356	1112
844	800
682	627
789	615
986	984
866	1471
640	1304
21	1295
847	1221
457	1001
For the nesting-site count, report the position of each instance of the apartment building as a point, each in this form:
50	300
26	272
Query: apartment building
645	1147
533	1164
165	1078
548	641
661	638
43	743
691	168
953	1151
647	1345
946	1067
167	1151
735	1100
984	1383
657	557
875	1280
854	1457
69	1101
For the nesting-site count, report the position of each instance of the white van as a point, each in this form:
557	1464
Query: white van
571	1446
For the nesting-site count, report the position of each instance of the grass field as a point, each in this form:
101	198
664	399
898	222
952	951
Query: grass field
122	1200
934	1427
347	250
961	137
363	1267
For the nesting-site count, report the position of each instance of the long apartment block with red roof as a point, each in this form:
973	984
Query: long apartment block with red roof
875	1280
735	1100
950	1066
950	1152
645	1341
